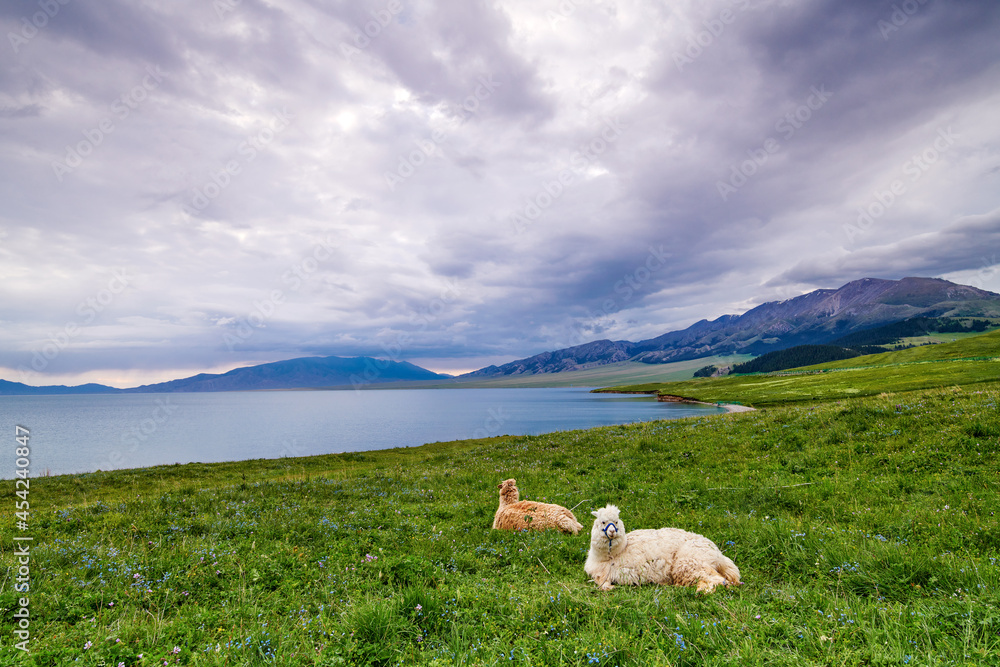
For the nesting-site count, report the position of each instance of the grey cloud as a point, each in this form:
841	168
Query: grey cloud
199	270
462	46
971	242
21	111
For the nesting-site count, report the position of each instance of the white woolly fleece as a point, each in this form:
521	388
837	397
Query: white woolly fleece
669	556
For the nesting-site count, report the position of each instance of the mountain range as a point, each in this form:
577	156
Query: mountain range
303	373
815	318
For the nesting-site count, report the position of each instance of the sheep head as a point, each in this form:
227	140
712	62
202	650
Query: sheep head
608	533
508	491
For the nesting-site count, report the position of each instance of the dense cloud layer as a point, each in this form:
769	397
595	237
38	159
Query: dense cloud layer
193	186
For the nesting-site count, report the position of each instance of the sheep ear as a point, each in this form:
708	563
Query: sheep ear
594	512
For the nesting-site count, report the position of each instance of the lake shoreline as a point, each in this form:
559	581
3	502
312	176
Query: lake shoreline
669	398
85	433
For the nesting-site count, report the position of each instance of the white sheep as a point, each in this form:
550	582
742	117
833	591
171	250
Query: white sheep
669	556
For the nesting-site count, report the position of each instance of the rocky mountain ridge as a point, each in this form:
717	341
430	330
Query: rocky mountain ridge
810	319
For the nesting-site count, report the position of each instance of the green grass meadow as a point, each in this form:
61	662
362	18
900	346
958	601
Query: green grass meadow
865	528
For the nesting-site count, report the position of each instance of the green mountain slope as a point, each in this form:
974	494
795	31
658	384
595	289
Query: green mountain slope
797	356
986	345
964	362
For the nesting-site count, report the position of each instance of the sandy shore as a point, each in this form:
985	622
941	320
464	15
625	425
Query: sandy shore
728	407
732	407
667	398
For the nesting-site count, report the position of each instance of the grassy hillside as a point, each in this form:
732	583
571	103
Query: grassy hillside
598	376
935	338
981	346
866	531
968	361
800	355
917	328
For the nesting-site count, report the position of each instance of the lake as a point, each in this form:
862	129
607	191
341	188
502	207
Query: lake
80	433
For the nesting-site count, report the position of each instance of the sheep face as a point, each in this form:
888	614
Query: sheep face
608	533
508	491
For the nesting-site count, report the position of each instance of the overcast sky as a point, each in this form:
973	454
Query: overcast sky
192	186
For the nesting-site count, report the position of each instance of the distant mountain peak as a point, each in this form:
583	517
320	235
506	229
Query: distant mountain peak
300	373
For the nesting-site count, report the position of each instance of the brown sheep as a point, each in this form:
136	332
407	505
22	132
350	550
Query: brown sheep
524	514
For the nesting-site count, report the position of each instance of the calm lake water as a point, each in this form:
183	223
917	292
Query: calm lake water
71	434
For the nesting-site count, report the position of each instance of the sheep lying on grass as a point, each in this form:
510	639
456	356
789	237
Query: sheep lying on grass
668	556
521	515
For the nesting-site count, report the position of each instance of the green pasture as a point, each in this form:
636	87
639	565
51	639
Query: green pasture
865	529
